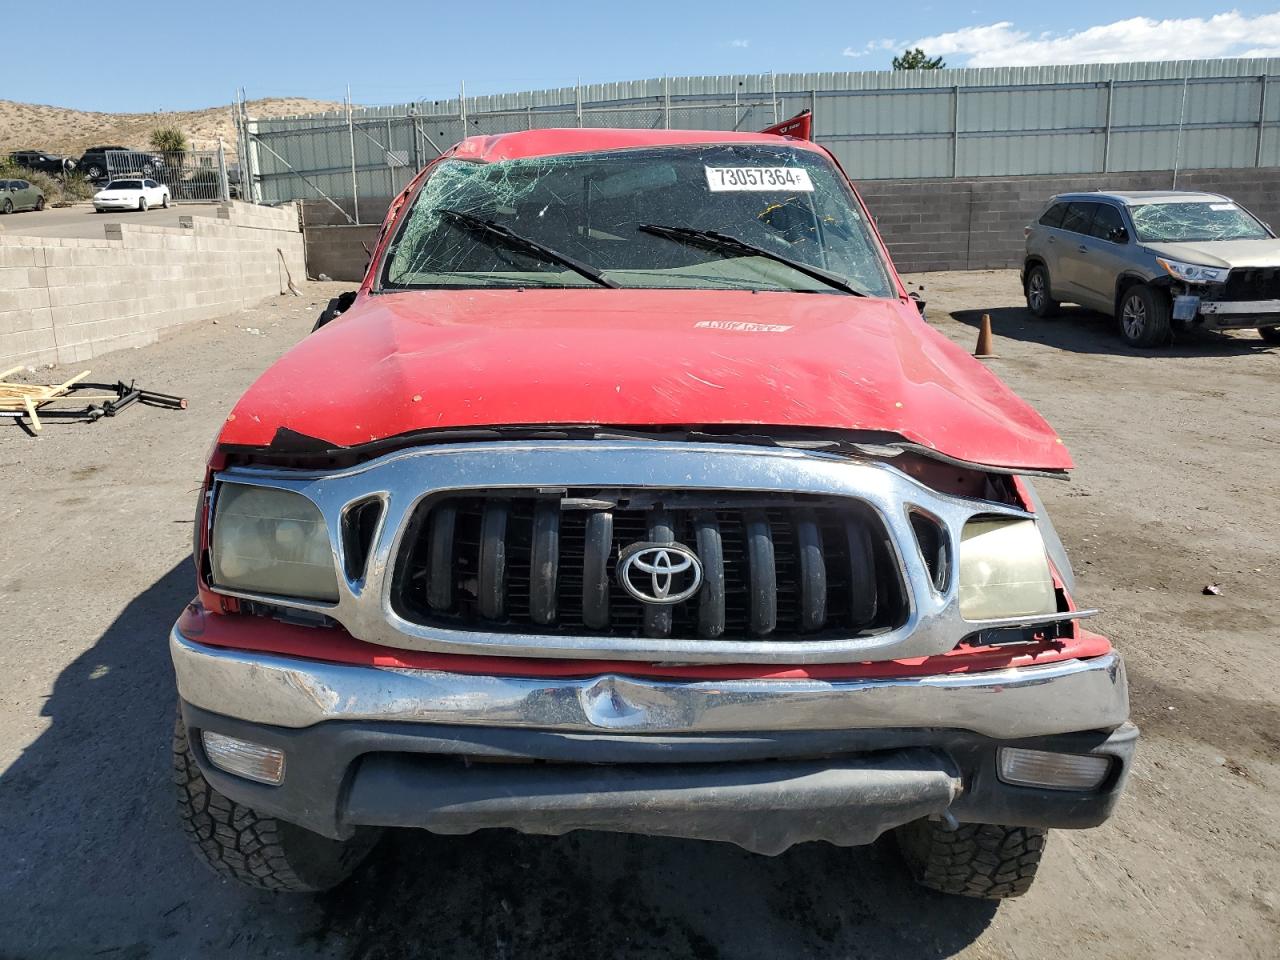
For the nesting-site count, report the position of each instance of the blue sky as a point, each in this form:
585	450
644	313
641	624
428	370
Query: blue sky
392	51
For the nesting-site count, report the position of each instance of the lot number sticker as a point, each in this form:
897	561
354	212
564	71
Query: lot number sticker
720	179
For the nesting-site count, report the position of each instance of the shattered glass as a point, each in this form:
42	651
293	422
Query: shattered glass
1194	221
590	206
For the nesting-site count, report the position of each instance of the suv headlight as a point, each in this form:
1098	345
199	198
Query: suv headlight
271	541
1193	272
1004	570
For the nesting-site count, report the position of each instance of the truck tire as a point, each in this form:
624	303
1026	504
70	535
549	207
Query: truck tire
1143	317
984	860
1039	302
257	850
1269	334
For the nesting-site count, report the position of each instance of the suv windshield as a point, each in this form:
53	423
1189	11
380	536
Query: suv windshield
124	185
1196	220
591	207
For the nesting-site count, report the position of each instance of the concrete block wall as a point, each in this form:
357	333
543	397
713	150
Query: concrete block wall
977	224
65	300
338	252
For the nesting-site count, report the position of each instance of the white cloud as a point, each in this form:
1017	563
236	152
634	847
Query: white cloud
741	44
1137	38
871	46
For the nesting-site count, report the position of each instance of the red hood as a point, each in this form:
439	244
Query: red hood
402	362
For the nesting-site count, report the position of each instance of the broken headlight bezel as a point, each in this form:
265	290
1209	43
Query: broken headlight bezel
1193	272
1004	570
271	541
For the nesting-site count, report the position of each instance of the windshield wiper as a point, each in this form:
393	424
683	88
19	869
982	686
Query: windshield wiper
714	240
497	231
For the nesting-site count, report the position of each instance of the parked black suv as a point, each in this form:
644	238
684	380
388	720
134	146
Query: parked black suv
44	162
94	163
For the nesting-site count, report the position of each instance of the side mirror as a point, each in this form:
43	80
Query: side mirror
1118	235
919	301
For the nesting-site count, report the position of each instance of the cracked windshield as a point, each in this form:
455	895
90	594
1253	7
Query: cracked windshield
714	217
1194	221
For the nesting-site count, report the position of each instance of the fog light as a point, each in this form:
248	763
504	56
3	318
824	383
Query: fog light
252	761
1057	771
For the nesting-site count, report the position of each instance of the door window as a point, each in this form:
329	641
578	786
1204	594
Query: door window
1078	218
1053	216
20	184
1108	225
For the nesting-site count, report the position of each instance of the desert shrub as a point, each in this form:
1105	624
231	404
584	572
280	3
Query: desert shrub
76	186
168	140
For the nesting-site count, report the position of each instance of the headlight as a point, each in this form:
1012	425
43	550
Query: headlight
271	541
1004	571
1193	272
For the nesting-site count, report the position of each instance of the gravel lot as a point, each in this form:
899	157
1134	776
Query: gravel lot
1178	453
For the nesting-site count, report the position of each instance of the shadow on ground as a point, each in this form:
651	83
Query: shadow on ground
1086	331
95	863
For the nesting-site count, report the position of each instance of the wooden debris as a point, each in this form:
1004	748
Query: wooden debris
27	397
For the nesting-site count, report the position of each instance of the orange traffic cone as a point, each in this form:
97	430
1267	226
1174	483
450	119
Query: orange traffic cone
984	350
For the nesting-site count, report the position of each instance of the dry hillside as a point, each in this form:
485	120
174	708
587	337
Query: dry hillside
32	126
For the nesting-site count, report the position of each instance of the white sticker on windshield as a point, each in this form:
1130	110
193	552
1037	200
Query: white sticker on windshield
758	178
1222	206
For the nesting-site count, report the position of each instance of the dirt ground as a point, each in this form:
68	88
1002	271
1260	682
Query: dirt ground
1178	453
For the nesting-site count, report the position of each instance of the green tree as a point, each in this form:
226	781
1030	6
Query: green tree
917	59
169	141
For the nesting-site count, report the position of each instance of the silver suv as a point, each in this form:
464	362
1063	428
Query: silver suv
1158	261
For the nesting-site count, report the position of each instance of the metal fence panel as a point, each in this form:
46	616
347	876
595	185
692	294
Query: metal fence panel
1005	121
192	176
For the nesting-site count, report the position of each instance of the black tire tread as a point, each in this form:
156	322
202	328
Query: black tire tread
238	843
1269	334
1051	307
983	860
1158	330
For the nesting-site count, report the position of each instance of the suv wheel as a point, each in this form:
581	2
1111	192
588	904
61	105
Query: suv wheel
8	206
1038	300
984	860
1144	317
93	172
1269	334
257	850
40	203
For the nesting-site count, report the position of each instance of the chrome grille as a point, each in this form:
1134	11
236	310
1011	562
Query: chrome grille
775	566
379	600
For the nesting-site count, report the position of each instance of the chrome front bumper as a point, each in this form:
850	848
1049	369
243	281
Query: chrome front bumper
1061	697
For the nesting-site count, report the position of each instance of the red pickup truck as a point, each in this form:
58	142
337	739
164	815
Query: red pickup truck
631	492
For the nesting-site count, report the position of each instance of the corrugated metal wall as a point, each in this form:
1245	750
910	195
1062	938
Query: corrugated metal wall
1005	121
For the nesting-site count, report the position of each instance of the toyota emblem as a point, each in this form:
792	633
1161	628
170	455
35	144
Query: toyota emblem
662	573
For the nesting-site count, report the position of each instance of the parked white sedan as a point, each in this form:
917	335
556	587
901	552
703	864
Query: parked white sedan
131	195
